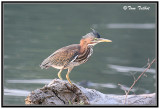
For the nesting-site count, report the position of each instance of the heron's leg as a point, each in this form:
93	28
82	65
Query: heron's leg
59	74
67	75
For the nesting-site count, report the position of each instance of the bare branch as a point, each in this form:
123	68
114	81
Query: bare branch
149	65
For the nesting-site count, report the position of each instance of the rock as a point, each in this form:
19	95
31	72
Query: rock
59	92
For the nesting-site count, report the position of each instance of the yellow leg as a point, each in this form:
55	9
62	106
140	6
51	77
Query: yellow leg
59	74
67	75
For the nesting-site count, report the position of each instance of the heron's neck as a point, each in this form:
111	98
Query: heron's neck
83	46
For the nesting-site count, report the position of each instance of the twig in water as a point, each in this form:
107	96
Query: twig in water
149	65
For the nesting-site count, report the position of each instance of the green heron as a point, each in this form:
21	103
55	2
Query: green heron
73	55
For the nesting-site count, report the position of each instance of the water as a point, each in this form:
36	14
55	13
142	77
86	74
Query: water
33	31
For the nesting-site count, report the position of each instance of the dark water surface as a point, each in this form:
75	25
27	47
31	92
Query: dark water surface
33	31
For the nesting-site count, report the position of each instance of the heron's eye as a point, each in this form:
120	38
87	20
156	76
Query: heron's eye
95	38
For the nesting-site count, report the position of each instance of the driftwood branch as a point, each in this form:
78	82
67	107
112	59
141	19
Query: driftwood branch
59	92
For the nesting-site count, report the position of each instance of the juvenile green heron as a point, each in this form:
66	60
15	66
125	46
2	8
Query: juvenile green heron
73	55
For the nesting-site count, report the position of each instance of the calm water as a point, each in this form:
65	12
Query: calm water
33	31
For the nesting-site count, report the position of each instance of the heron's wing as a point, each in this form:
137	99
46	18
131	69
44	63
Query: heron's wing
61	57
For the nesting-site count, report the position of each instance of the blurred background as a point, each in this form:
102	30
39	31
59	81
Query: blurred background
34	31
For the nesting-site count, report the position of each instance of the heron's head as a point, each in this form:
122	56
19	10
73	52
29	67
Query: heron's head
93	38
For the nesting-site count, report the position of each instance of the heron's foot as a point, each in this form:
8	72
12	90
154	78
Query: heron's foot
69	86
67	76
60	78
70	82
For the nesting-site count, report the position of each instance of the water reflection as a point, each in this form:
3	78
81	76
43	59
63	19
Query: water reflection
16	92
37	81
125	69
126	26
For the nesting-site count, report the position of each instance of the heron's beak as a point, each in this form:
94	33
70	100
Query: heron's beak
104	40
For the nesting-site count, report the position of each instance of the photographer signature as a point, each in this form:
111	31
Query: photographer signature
136	8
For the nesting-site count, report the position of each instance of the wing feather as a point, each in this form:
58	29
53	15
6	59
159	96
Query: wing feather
61	57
